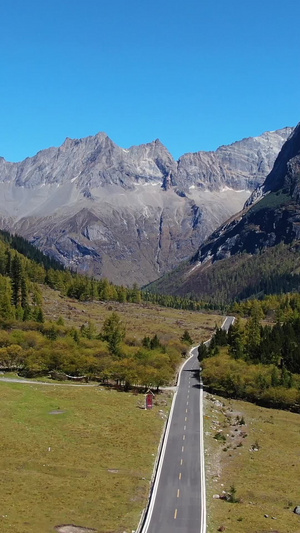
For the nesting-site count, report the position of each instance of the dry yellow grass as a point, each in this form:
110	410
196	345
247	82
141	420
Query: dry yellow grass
140	319
266	480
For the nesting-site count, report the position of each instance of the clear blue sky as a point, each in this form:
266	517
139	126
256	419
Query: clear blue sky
195	74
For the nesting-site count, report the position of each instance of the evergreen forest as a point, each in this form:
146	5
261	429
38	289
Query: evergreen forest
33	346
257	361
272	270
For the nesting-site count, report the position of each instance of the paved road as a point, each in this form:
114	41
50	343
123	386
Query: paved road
178	502
178	494
227	322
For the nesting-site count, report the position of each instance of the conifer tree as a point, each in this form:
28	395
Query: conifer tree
6	307
202	352
113	332
16	275
186	337
24	292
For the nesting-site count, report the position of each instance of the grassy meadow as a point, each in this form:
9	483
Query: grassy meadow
85	455
260	459
140	319
75	455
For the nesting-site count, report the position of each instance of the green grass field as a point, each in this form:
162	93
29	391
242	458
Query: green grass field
261	459
90	465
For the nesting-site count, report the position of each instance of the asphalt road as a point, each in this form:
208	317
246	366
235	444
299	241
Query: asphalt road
177	500
227	322
179	489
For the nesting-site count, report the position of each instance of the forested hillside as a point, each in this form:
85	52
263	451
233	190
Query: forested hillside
35	346
271	271
20	260
258	362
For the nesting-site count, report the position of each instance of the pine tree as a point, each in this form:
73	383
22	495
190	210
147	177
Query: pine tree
39	315
6	307
253	332
202	352
113	332
16	276
24	293
235	340
186	337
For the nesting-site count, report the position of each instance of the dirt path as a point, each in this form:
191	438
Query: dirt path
27	381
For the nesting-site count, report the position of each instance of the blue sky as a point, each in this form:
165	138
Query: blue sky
195	74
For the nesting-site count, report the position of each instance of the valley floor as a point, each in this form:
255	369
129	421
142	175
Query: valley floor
74	455
256	454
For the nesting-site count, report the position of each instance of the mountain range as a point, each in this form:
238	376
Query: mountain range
130	215
256	251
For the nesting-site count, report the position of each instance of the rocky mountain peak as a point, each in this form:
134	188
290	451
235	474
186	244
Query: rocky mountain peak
254	251
283	168
130	214
273	219
68	142
242	165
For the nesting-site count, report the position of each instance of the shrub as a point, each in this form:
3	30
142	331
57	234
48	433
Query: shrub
220	437
231	496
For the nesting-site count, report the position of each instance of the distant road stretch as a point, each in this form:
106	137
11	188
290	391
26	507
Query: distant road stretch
229	320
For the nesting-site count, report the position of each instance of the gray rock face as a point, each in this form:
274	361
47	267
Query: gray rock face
129	214
273	220
241	165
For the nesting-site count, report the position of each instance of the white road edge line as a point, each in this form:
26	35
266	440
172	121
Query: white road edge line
144	528
162	455
202	459
202	465
224	322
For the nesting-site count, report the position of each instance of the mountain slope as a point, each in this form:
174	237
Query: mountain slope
129	214
257	250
